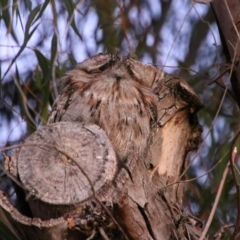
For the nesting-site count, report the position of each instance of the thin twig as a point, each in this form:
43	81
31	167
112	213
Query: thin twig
219	76
215	117
123	25
232	164
232	20
103	234
25	102
207	172
220	233
204	139
174	40
196	178
12	177
83	172
226	169
214	207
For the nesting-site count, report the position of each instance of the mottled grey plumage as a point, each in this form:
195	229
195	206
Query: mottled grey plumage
103	90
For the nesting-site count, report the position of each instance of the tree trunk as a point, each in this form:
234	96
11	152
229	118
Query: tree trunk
109	164
228	20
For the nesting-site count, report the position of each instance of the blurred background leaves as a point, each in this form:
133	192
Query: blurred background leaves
41	40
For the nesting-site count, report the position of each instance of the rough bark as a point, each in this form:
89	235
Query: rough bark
81	181
228	20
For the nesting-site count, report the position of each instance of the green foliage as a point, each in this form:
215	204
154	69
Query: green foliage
52	36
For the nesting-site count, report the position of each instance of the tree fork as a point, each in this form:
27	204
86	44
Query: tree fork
95	184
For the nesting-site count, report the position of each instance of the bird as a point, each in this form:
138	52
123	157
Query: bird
103	91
